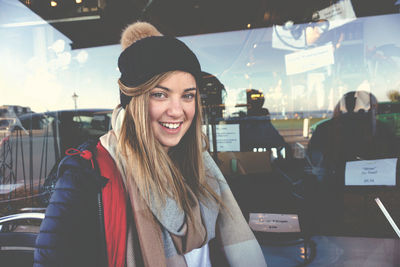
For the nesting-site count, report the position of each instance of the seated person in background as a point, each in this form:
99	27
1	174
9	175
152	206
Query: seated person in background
353	133
256	129
255	102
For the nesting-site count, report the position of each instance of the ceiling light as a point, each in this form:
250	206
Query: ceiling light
53	3
78	1
248	25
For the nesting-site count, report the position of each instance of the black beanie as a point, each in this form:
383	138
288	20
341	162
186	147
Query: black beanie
151	56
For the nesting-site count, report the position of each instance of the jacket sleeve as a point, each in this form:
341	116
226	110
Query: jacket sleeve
68	235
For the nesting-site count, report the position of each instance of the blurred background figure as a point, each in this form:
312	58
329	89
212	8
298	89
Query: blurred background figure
353	133
213	95
257	131
255	102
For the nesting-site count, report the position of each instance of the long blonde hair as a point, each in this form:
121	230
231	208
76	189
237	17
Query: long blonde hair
159	174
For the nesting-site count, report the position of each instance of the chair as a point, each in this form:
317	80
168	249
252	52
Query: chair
17	246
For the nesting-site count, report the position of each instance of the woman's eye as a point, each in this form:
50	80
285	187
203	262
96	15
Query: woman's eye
158	95
189	96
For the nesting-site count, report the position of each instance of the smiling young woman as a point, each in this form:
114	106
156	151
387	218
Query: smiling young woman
164	200
172	107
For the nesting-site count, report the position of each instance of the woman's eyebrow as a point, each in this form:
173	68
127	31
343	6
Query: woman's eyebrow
162	87
167	89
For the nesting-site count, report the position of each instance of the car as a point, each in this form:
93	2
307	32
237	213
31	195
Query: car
8	124
32	146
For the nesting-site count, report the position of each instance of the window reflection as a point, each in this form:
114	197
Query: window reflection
324	92
353	133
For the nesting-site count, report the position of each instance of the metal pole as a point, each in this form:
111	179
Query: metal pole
75	98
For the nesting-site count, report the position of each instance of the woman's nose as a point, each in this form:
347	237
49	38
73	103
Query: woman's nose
175	108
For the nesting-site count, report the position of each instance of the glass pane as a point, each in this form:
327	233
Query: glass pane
302	117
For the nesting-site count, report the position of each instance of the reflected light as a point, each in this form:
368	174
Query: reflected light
302	251
64	58
53	3
58	46
82	56
256	96
267	16
78	1
312	34
341	38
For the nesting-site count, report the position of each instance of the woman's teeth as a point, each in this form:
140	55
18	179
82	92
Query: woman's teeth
170	125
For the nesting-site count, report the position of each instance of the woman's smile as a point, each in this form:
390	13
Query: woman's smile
172	107
171	125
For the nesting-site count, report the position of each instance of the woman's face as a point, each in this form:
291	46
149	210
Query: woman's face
172	107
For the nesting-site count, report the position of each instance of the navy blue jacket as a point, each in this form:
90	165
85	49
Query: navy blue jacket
70	234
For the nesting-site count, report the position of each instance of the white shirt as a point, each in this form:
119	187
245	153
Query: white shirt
199	257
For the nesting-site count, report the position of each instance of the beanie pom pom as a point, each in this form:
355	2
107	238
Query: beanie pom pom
136	31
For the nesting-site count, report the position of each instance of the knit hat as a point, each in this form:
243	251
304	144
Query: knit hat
151	54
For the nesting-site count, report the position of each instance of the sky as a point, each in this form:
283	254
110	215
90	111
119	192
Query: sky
38	69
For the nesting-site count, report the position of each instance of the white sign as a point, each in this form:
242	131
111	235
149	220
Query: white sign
338	14
294	37
371	172
277	223
310	59
228	137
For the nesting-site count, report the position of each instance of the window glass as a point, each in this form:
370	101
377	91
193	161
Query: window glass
317	103
295	113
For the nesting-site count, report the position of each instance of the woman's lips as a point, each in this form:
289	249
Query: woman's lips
171	126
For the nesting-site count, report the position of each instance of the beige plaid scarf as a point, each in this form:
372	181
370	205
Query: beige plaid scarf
155	240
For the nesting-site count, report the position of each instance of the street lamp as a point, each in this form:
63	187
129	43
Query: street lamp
75	98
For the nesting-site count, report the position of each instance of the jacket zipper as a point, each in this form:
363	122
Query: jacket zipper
102	228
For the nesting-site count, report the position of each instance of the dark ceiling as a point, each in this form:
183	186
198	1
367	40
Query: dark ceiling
100	22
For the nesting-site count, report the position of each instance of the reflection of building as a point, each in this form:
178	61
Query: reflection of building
12	110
